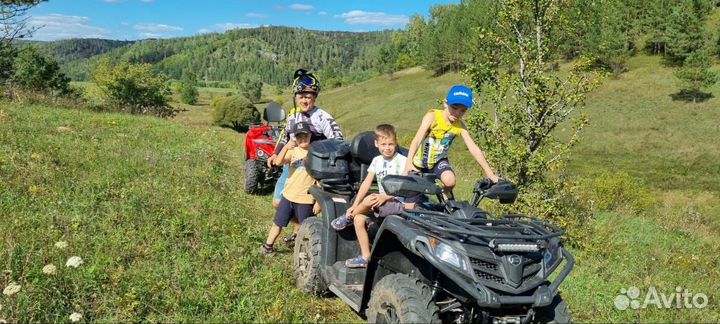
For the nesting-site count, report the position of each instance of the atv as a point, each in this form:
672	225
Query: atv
443	261
260	143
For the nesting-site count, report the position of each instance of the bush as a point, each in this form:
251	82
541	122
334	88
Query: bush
36	72
235	112
617	191
133	88
188	94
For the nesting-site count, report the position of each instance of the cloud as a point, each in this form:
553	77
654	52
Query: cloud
151	35
113	1
322	13
56	26
301	7
255	15
359	17
156	28
148	1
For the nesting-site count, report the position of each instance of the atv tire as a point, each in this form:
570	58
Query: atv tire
308	245
252	176
398	298
556	312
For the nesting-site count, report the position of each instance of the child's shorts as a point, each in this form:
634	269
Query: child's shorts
438	169
390	207
287	209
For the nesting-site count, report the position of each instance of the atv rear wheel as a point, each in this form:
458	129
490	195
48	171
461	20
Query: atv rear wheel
556	312
398	298
252	176
308	245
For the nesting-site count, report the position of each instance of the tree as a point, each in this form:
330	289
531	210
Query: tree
251	88
529	102
695	75
685	32
188	88
235	112
13	25
33	71
133	88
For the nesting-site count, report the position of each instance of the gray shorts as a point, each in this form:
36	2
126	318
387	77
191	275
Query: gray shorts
391	207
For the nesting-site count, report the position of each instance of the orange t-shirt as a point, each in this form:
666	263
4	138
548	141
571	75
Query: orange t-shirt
299	181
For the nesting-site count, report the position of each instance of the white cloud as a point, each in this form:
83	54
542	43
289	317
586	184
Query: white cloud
156	28
301	7
56	26
205	31
359	17
255	15
151	35
113	1
148	1
322	13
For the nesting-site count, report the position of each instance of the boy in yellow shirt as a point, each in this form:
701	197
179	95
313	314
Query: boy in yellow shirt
295	200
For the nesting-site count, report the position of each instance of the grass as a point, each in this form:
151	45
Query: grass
156	210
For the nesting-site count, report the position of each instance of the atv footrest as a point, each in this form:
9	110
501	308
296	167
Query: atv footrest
349	276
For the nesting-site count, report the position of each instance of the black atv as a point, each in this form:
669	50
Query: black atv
444	261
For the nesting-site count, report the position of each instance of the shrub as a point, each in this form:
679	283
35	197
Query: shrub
235	112
617	191
133	88
188	94
36	72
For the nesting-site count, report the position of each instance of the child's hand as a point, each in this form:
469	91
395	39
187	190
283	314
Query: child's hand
412	168
494	178
291	144
350	212
316	208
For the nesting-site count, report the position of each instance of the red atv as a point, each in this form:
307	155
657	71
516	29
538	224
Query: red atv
259	146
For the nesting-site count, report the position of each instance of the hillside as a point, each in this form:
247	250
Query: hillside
270	54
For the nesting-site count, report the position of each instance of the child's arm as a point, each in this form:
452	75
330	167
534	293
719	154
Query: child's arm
362	192
282	158
417	140
478	154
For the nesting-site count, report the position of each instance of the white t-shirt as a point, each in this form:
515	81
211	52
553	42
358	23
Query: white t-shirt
381	167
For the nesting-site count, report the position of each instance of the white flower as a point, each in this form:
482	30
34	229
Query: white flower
74	262
49	269
11	289
61	245
75	317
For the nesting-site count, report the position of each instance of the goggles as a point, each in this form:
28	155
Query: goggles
305	82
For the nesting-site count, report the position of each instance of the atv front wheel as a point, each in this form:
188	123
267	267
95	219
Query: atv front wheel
398	298
252	175
308	245
556	312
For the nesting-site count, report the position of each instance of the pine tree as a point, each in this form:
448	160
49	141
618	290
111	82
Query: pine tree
695	75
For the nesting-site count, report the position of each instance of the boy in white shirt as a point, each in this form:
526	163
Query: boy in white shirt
388	162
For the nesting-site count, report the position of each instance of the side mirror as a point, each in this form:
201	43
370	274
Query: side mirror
505	191
273	113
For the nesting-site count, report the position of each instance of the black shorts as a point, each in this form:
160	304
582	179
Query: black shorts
438	169
288	209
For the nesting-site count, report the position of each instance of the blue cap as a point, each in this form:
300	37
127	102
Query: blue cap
460	94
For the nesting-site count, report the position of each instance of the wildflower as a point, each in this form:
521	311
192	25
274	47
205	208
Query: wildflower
49	269
34	156
75	317
11	289
74	261
61	245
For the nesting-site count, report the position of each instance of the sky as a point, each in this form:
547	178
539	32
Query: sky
139	19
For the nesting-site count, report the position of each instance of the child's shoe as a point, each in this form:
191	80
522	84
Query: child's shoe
356	262
290	239
341	222
267	250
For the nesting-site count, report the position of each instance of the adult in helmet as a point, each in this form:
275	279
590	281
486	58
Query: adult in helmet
306	88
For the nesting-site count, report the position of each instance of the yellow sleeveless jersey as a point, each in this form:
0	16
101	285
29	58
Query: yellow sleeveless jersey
437	142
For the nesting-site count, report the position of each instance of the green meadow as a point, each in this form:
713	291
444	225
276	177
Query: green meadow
156	211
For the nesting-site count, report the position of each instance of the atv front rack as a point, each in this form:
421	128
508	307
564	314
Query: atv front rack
510	226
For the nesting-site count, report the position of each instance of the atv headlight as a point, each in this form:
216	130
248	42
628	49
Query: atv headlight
448	255
551	252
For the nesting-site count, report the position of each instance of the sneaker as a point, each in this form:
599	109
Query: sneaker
356	262
341	222
267	250
290	239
